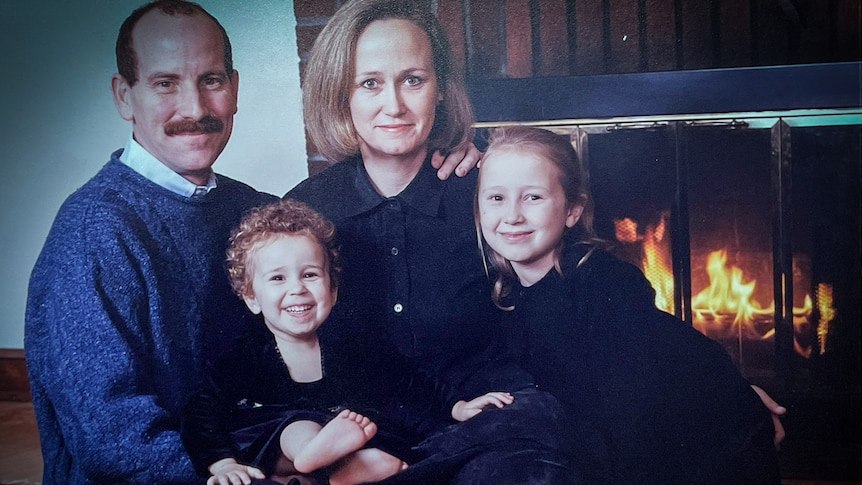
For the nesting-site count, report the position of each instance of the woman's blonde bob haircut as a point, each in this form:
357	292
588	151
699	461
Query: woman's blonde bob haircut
329	79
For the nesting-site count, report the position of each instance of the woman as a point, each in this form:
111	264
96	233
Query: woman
380	96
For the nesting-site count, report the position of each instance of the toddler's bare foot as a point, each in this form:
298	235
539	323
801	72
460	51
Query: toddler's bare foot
366	465
345	434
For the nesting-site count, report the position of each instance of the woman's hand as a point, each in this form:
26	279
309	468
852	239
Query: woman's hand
228	472
460	160
464	410
777	411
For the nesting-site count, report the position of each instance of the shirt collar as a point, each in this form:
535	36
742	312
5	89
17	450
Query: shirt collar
424	193
143	162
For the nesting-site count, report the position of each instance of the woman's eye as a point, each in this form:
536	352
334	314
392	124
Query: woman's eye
533	197
310	274
413	80
277	277
369	84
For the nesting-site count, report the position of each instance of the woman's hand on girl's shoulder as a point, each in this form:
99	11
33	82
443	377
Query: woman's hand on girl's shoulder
460	160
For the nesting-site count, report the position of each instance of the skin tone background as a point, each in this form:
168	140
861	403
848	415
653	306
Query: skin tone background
58	123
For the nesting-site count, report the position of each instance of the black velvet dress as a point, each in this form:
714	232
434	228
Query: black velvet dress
249	397
650	399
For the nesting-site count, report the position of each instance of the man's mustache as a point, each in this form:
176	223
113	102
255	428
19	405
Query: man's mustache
207	124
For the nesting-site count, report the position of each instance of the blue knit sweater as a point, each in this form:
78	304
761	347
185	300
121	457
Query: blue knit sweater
127	302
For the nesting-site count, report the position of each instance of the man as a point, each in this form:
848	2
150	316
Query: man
128	299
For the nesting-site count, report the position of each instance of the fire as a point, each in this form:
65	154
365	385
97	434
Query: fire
827	313
728	294
656	256
656	264
725	308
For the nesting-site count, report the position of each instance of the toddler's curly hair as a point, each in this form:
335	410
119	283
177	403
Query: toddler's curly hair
261	224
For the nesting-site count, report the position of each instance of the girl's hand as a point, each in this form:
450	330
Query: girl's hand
464	410
777	411
228	472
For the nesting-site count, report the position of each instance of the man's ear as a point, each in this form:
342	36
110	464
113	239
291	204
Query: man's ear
251	303
234	82
122	96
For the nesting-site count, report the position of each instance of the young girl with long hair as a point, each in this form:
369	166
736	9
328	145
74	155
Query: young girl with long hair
648	398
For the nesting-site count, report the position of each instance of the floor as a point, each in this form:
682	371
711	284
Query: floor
21	462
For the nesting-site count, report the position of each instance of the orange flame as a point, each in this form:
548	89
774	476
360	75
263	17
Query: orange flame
728	294
657	266
827	313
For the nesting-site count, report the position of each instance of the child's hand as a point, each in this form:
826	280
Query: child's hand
228	472
464	410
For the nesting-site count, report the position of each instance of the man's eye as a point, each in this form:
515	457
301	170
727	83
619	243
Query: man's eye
213	82
310	274
277	277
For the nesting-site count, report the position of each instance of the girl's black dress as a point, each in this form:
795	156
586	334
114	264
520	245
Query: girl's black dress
249	397
650	399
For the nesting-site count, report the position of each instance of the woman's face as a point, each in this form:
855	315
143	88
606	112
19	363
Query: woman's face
394	95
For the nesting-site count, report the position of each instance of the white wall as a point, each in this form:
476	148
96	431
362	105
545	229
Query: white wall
58	124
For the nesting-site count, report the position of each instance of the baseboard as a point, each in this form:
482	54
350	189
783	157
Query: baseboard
14	385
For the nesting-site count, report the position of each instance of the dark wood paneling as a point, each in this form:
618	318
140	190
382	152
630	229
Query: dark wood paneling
13	376
451	15
623	36
848	17
771	30
813	32
660	42
553	38
487	55
315	8
697	34
519	33
735	24
589	38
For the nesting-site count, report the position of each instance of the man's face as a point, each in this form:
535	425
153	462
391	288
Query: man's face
183	104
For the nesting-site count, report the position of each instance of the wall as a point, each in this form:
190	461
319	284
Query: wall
58	124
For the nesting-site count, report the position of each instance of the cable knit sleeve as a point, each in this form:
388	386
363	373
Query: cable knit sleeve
101	363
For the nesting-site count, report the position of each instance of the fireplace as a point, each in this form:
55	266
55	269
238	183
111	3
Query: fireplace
747	224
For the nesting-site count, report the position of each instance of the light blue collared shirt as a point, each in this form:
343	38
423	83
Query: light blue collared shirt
143	162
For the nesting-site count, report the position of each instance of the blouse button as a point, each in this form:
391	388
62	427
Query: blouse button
398	308
394	251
